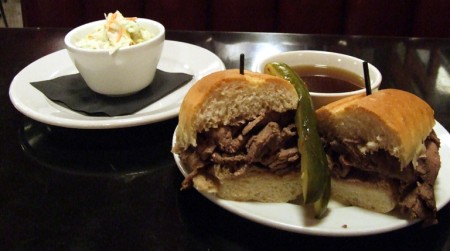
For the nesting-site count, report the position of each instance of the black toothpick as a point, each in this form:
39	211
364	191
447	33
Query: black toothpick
367	78
241	64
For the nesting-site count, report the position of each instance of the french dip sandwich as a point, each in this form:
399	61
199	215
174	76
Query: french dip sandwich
236	135
382	152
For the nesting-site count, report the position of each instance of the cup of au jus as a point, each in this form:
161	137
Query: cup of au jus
329	76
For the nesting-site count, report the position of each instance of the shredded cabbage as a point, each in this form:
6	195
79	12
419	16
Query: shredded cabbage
117	32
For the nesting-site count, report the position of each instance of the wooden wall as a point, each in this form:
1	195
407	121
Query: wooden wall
419	18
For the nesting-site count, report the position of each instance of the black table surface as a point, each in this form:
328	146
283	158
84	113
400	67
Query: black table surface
119	189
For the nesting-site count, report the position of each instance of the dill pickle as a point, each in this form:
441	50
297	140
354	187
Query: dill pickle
315	175
320	206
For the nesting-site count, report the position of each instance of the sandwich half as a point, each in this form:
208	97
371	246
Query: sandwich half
382	152
236	135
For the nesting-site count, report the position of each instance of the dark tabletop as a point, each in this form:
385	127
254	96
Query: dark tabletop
70	189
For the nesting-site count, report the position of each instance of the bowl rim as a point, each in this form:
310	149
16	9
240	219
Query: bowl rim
70	45
373	86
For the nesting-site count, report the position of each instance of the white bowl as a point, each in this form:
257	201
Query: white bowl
126	71
331	59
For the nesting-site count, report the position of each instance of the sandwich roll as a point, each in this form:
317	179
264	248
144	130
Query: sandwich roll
236	135
382	152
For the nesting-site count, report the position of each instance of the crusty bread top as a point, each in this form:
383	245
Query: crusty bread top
390	119
227	96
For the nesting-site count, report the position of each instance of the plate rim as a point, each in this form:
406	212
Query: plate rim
235	207
97	122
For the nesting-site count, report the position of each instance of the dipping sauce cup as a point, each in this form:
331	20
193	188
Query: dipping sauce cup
326	69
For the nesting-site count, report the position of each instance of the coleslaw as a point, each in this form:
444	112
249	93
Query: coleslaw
117	32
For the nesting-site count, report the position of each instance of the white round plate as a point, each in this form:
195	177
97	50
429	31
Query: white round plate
176	57
340	220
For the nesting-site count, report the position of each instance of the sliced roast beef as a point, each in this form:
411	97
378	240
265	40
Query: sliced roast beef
265	142
254	123
420	203
428	168
283	158
228	159
192	159
380	162
415	185
269	141
205	147
224	138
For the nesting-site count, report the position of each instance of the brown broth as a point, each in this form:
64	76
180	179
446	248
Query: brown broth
329	79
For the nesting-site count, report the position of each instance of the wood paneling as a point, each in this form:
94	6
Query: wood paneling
427	18
379	17
311	16
238	15
178	15
432	18
50	13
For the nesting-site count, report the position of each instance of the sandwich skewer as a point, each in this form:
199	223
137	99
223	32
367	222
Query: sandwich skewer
367	78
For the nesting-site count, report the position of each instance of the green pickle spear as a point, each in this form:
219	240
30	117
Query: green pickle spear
315	175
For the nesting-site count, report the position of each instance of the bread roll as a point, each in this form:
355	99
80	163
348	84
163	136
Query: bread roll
254	184
223	97
391	119
229	99
383	152
376	194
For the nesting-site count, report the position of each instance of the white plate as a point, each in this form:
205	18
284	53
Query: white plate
341	220
176	57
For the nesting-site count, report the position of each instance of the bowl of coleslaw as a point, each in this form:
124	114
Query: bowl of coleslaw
117	56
